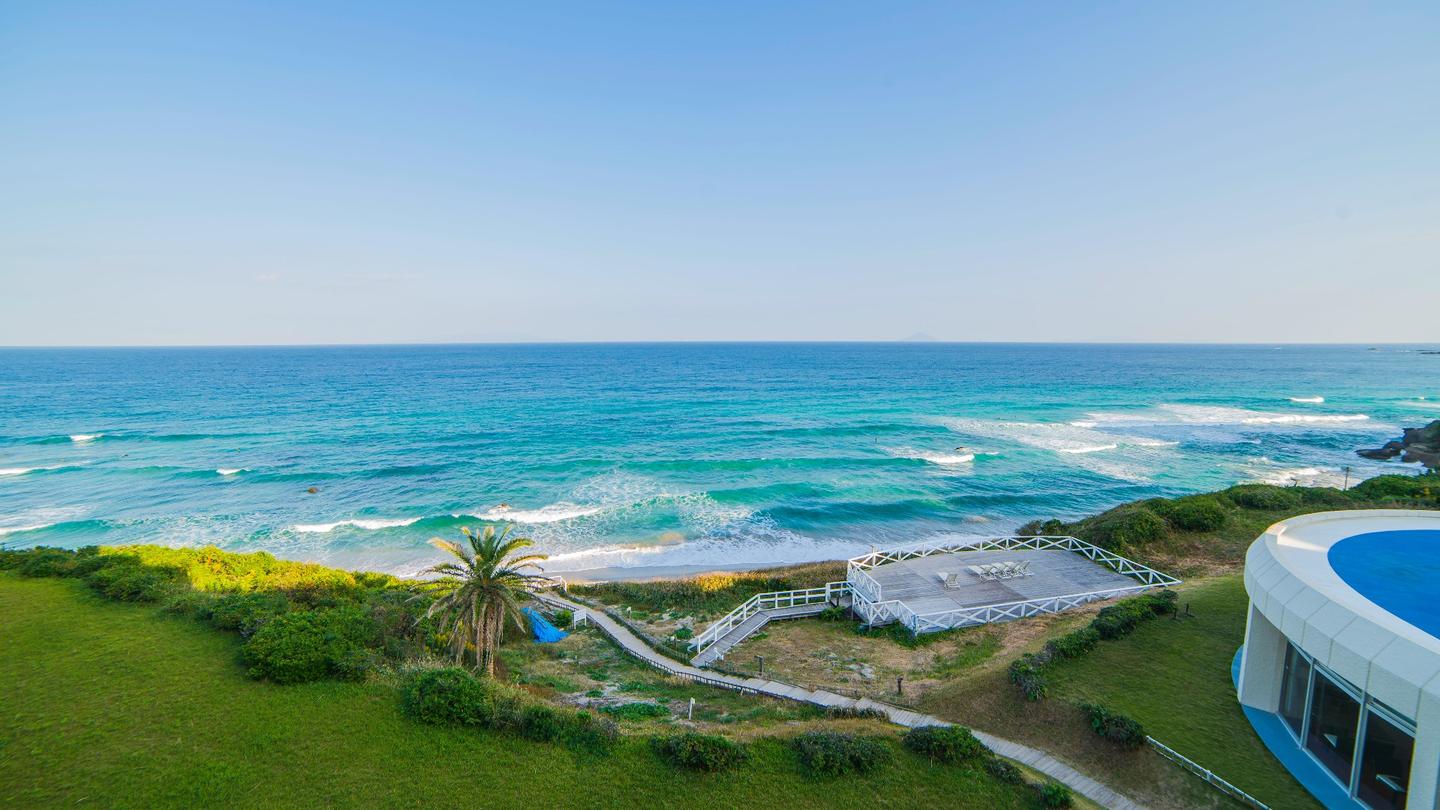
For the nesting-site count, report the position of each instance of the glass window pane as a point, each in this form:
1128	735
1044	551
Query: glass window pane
1334	720
1292	688
1385	764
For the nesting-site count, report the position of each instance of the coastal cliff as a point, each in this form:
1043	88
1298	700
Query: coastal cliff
1418	445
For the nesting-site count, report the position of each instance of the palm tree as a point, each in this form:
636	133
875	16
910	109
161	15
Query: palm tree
480	589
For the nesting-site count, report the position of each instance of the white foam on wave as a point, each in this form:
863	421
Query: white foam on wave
1218	415
554	513
84	438
957	456
1301	476
1096	448
17	470
1308	400
4	530
227	471
359	523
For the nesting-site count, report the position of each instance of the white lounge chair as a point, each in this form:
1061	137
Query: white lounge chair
949	580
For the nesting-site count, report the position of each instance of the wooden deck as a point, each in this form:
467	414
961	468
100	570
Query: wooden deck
918	583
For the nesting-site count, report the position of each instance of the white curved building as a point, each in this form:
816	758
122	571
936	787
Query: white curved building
1340	672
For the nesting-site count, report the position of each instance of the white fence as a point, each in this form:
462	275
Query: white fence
1205	773
874	609
774	600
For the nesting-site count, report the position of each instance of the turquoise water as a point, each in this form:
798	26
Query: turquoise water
663	454
1397	570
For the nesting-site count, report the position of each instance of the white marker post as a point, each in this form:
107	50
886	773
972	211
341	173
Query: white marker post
690	715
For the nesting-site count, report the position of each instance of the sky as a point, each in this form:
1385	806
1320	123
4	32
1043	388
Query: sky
294	173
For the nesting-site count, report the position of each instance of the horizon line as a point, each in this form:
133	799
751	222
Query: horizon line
703	342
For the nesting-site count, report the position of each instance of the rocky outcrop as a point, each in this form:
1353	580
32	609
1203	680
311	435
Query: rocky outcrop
1419	445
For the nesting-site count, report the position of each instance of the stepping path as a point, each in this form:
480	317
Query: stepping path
1031	757
741	631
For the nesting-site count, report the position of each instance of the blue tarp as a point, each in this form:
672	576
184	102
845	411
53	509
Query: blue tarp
544	631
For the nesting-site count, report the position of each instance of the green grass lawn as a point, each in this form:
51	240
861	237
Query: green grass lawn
120	705
1174	677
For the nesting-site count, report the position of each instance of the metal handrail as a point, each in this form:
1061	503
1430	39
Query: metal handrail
1205	773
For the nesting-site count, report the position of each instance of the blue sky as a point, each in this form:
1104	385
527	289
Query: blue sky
198	173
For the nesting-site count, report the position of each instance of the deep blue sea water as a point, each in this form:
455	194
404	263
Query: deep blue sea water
1396	570
663	454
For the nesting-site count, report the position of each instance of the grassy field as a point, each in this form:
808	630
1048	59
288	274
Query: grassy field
1174	677
123	706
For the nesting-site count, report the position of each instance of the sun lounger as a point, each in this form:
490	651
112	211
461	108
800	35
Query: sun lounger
949	580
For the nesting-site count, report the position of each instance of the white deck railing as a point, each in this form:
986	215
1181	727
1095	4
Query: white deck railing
874	609
773	600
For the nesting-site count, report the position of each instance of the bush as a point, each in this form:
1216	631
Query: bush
1054	794
1197	513
1004	770
246	612
448	696
539	721
310	645
1027	672
948	744
563	618
41	561
1264	496
636	711
1398	488
1117	728
830	753
1074	644
131	582
683	634
834	613
699	752
1124	526
853	713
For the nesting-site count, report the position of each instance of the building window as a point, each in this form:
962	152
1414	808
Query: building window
1294	689
1384	763
1334	723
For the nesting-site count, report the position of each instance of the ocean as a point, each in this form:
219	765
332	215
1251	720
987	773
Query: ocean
624	455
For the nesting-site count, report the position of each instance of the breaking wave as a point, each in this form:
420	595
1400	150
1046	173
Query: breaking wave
1308	400
369	524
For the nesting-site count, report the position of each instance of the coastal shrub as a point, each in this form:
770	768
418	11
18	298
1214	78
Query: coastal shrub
834	613
563	618
211	569
635	711
1398	488
41	561
1043	528
1116	621
245	612
449	696
1197	513
1124	526
539	721
1074	644
831	753
1054	794
131	582
700	752
1324	496
854	713
1028	673
951	745
1264	496
310	645
1004	770
589	731
402	628
1117	728
683	633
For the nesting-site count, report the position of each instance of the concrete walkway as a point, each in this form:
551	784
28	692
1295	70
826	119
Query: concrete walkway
1033	758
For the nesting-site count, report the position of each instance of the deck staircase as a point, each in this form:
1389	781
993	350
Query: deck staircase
758	611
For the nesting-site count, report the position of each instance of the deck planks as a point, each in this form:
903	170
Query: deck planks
917	583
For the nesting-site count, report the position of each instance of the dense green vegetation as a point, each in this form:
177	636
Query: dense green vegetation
129	706
709	594
1216	528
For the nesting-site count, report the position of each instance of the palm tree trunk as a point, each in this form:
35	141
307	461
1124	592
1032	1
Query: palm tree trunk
475	623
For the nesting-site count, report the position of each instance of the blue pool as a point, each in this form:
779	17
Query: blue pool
1398	570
